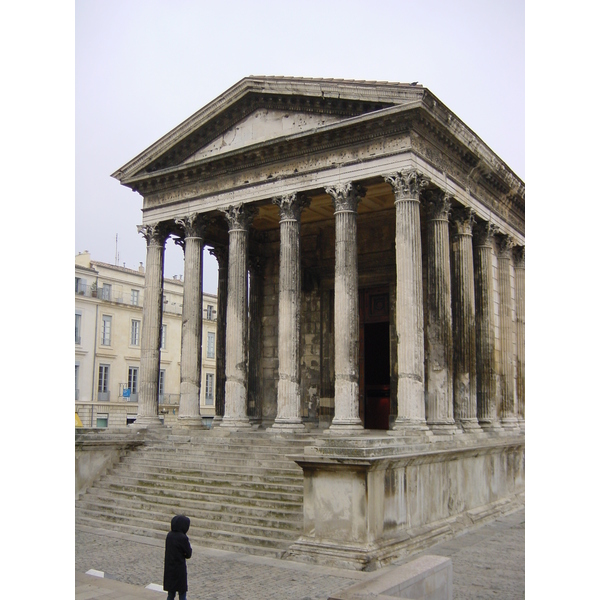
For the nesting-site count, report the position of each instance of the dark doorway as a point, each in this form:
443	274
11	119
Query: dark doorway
375	358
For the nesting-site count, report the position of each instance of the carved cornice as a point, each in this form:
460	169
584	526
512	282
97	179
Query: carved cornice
239	217
221	253
291	205
155	234
484	233
346	196
463	219
407	184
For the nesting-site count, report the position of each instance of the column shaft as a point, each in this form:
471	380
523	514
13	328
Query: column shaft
507	349
254	340
463	319
487	384
191	325
290	300
151	325
346	316
409	302
520	310
438	341
236	335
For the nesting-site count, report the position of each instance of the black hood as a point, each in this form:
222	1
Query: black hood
180	523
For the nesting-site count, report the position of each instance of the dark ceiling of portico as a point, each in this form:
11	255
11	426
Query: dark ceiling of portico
252	101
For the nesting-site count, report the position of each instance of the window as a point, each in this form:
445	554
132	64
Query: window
135	297
209	396
210	312
76	381
135	332
101	420
210	346
106	327
79	286
103	381
77	328
161	385
106	291
132	382
163	337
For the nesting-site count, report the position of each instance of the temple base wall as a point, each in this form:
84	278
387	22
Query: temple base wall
368	501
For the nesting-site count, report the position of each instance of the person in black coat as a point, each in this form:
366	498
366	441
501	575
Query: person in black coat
177	550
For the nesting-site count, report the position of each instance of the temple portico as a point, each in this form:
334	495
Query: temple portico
371	286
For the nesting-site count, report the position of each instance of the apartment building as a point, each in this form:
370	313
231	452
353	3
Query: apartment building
108	326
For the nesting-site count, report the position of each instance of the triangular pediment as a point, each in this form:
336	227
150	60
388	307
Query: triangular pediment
260	109
262	125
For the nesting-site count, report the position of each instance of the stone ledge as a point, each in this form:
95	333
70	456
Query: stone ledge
426	578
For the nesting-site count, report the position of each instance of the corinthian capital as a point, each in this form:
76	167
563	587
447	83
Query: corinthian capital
221	253
520	257
438	205
239	216
291	205
155	234
484	233
507	243
346	196
193	225
407	183
463	219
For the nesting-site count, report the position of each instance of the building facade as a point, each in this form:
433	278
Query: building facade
371	280
109	304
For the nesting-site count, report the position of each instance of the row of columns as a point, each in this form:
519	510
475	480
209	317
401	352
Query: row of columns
447	371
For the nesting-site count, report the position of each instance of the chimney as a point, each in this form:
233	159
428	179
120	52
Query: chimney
141	268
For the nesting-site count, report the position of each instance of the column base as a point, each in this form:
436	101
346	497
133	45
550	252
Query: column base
411	431
446	428
291	426
470	425
509	423
190	422
236	422
491	426
147	422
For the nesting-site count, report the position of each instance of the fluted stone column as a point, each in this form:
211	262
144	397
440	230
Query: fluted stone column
155	236
236	336
487	384
438	338
222	256
290	300
255	264
346	320
463	320
407	185
191	323
508	415
520	310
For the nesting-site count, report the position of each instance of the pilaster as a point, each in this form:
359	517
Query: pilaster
520	324
346	322
255	264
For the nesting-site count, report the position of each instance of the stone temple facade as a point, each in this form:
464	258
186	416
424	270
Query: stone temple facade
371	287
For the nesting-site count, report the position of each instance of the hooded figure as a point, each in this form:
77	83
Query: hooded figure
177	550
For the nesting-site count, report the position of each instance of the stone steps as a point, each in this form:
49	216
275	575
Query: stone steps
239	490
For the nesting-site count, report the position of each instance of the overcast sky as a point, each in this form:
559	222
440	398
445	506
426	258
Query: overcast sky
143	66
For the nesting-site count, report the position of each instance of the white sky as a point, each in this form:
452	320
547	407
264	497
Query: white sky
143	66
114	76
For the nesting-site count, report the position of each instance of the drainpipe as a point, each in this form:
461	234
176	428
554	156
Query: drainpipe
94	359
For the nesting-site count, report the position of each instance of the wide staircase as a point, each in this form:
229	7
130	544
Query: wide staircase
240	491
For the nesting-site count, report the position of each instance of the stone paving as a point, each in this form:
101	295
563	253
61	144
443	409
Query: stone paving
487	562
